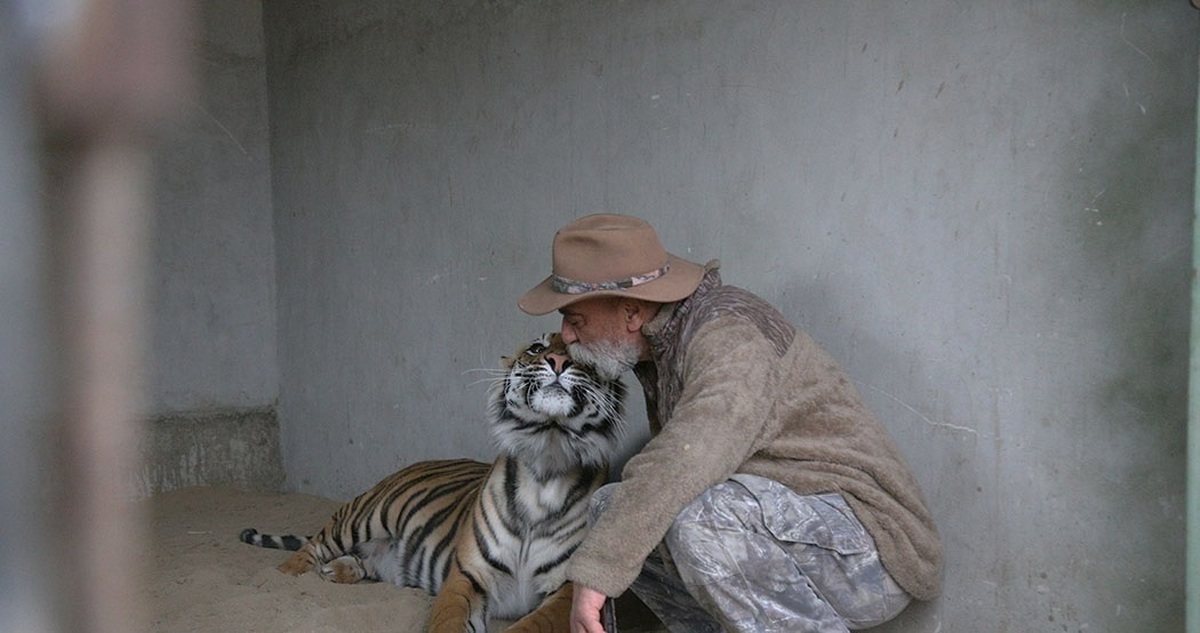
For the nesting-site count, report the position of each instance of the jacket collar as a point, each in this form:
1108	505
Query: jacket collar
665	325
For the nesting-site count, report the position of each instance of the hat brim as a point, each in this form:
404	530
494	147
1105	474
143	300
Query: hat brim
680	281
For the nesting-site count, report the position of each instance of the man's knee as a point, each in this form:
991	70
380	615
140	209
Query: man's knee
710	526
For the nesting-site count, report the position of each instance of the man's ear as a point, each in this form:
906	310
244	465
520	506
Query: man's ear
636	313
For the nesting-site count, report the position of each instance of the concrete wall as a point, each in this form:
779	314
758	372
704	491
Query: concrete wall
213	336
981	209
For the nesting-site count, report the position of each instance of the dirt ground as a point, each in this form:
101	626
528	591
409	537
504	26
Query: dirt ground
204	580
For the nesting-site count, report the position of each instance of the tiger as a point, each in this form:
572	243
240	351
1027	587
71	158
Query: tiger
489	541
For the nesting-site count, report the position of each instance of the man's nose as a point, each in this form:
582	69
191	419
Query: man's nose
568	333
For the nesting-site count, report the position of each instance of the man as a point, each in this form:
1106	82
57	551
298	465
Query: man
768	498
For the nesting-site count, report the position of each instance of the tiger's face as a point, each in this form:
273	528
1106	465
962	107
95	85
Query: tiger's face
550	410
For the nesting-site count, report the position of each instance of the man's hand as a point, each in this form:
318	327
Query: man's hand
585	610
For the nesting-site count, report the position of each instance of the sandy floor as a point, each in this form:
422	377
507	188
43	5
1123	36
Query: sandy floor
204	580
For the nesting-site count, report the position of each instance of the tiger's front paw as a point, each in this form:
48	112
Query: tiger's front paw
344	569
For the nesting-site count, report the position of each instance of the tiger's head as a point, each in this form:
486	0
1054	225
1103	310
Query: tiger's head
552	411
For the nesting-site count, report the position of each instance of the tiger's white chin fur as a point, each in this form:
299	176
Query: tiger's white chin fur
553	401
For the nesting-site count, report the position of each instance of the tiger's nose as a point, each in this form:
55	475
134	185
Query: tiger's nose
558	362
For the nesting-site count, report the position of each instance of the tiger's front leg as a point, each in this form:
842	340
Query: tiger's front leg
459	606
552	616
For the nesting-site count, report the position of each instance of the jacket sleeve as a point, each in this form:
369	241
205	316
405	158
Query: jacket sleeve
716	425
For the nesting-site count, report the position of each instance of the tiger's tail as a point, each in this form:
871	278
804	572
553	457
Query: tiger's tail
290	542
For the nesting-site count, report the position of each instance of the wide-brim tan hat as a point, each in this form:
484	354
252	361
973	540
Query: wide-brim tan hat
606	255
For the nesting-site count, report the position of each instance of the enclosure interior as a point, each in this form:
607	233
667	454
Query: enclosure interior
983	210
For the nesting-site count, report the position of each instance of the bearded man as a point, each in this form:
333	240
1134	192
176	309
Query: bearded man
768	498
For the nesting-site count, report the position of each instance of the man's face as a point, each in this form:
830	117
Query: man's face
597	334
592	321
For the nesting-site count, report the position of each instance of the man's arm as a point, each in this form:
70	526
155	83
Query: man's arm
721	414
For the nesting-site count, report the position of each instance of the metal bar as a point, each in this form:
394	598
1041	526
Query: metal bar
1193	442
25	379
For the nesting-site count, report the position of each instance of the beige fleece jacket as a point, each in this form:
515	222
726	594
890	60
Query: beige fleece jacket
734	388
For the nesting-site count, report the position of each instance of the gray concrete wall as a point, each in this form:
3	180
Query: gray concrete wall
238	448
981	209
213	273
213	373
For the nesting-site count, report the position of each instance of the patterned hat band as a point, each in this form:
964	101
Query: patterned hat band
567	286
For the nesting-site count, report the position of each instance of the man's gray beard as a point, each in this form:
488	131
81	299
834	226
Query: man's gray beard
609	359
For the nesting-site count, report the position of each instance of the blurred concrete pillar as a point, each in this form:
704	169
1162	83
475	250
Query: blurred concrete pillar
104	75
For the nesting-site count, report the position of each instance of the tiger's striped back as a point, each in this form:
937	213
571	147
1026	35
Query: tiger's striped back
418	509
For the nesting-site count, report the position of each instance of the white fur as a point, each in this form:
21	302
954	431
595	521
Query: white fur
536	417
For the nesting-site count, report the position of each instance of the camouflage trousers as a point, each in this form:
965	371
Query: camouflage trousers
751	555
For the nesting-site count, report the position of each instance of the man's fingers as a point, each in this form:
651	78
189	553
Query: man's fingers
585	610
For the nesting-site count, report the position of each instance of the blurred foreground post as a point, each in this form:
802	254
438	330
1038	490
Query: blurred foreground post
107	73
